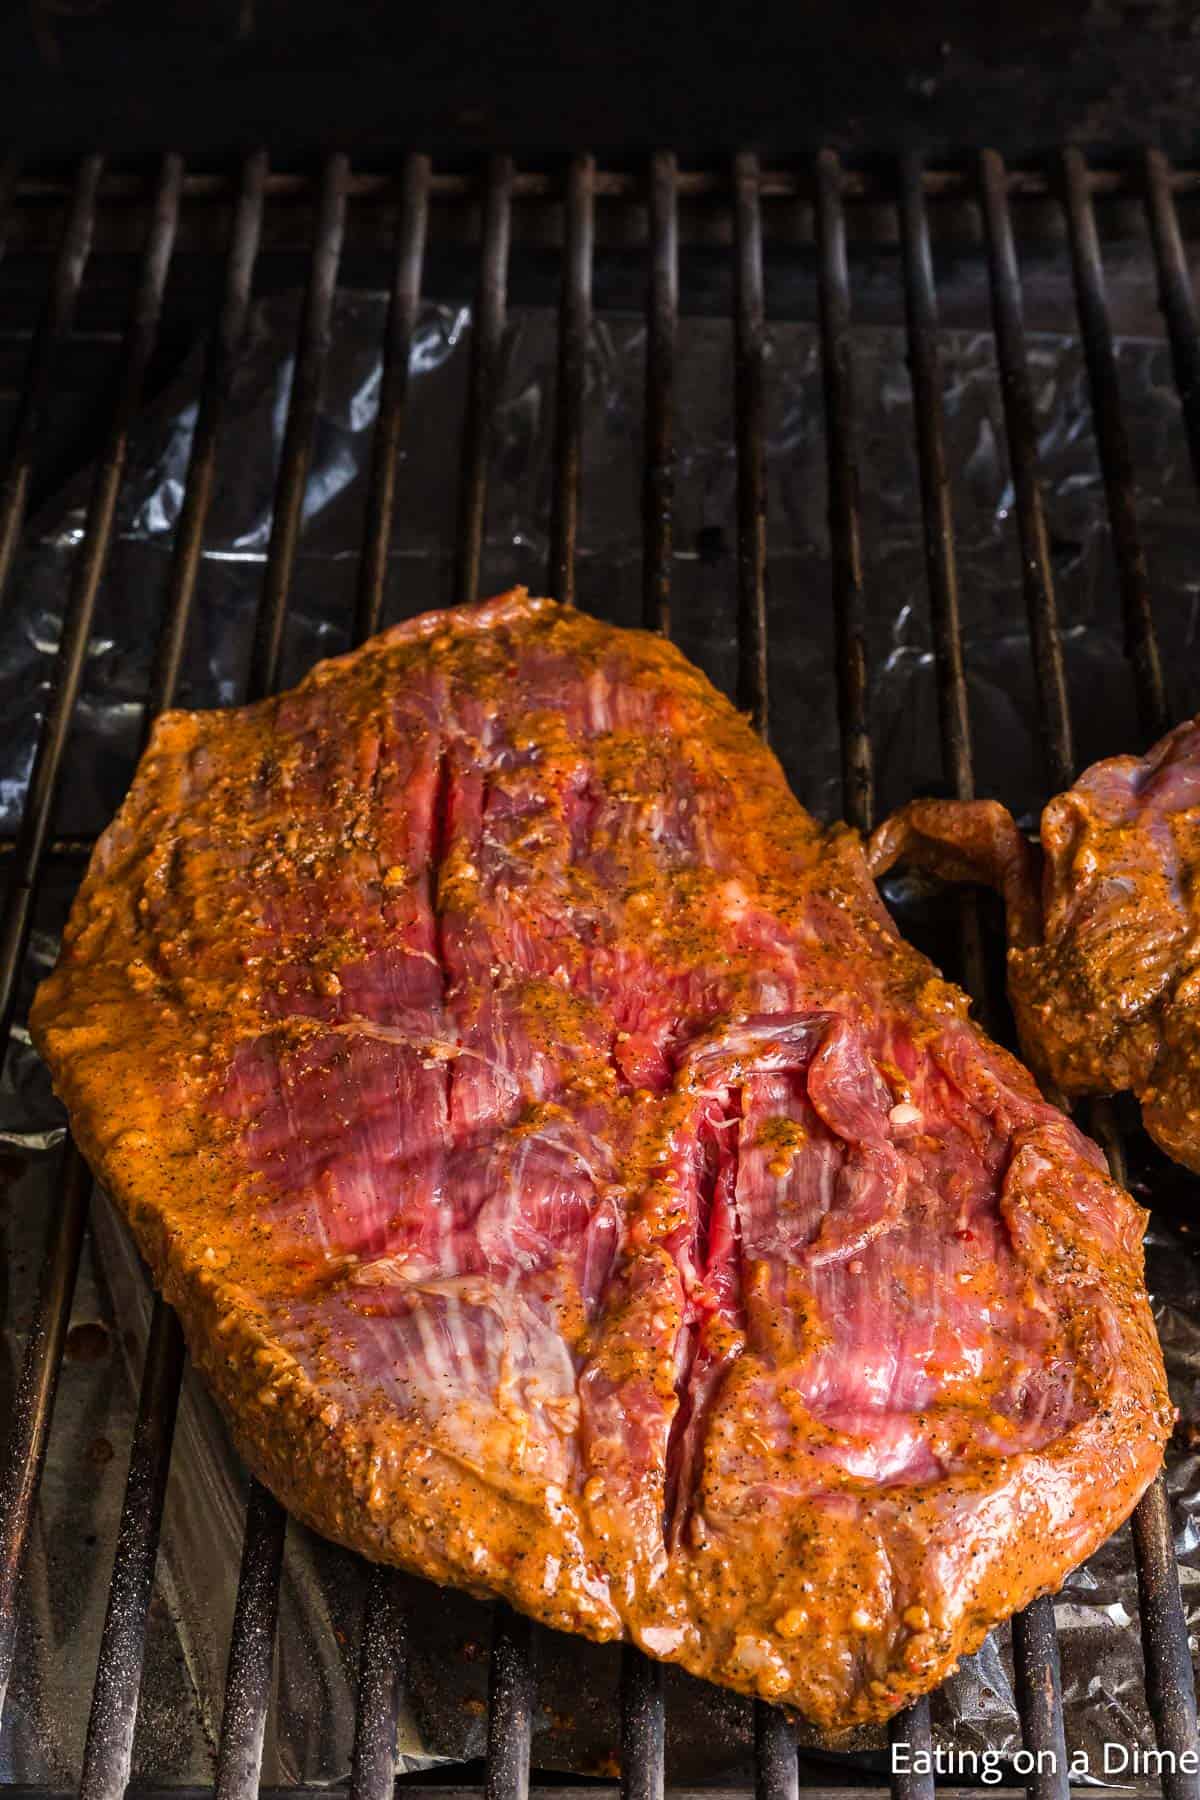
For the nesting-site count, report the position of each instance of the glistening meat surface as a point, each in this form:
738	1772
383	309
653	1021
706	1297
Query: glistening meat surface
1104	957
572	1187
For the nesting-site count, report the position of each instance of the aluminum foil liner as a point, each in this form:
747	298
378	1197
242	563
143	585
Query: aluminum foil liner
310	1731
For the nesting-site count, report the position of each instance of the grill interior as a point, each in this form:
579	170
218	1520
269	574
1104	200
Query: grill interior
814	239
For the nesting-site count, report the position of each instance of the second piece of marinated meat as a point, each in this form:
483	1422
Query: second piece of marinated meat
1103	961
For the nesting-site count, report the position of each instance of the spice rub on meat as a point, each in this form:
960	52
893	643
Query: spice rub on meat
1104	951
573	1188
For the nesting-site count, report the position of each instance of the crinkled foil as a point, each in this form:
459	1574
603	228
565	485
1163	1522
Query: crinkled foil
310	1731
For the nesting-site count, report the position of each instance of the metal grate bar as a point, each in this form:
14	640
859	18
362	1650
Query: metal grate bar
776	1768
311	352
58	849
1170	1683
252	1645
643	1727
402	321
1170	1678
34	1406
381	1664
1039	1699
512	1677
575	322
912	1728
69	265
940	559
512	1685
108	1751
43	1350
776	1771
380	1689
403	308
643	1713
251	1649
750	352
487	341
1163	1624
202	460
87	573
1021	428
1039	1689
662	315
1091	300
863	183
941	563
837	370
1176	296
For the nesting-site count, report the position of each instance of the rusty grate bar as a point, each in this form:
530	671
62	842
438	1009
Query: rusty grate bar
1091	301
487	340
108	1750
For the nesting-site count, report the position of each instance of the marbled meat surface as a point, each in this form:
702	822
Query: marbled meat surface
572	1186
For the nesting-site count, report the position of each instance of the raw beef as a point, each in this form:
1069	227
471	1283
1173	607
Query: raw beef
1104	960
571	1185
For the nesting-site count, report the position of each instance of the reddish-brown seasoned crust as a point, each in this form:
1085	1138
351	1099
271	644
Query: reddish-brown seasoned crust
1102	968
571	1186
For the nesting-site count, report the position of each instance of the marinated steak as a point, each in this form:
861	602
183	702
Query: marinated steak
1104	962
571	1185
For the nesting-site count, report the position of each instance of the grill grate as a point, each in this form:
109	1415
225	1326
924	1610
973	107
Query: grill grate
109	1745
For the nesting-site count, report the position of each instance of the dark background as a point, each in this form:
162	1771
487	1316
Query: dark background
459	75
